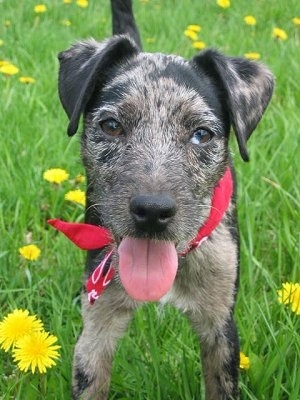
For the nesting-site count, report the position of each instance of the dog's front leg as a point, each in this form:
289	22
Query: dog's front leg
220	360
104	323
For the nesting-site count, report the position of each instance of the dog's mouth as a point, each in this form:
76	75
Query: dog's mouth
147	267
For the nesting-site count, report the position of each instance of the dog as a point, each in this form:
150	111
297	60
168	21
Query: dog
160	179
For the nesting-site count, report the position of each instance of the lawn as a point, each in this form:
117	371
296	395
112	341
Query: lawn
158	359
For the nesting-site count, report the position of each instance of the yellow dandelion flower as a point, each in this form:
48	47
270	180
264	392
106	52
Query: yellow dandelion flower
295	305
31	252
190	34
36	352
223	3
79	178
77	196
55	175
67	1
290	294
16	325
199	45
82	3
244	361
150	40
194	27
3	62
40	8
9	69
252	55
66	22
285	295
1	42
26	79
296	21
250	20
279	34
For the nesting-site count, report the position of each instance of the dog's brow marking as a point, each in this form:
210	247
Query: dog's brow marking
106	109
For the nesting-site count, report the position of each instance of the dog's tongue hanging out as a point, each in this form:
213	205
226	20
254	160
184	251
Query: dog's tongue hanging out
147	268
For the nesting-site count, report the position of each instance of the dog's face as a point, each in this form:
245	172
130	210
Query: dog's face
154	128
156	131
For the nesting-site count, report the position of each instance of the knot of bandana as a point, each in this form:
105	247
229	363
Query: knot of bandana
90	237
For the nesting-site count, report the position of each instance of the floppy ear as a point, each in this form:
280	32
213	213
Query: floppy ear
82	66
247	88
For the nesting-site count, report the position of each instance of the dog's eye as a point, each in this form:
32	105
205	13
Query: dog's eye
201	136
111	127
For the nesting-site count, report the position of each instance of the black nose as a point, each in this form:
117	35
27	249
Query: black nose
152	213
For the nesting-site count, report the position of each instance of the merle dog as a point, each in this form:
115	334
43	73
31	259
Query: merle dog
159	173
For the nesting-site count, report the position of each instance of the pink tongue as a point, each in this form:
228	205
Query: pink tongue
147	268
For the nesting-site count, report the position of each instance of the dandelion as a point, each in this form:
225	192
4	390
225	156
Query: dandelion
252	55
66	22
82	3
290	294
67	1
9	69
77	196
244	361
194	27
296	21
199	45
55	175
40	8
150	40
26	79
223	3
36	351
79	178
16	325
279	34
250	20
3	62
190	34
31	252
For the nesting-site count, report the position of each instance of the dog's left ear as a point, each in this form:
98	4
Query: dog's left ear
247	88
83	66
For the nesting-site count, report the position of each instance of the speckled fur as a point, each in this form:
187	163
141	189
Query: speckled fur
160	101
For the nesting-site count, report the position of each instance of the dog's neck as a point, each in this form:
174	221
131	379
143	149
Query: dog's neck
92	237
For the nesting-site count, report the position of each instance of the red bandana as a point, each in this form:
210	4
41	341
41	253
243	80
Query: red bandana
92	237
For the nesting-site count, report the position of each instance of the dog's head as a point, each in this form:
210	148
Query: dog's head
154	112
156	129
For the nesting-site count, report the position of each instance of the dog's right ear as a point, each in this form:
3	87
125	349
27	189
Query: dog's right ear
81	68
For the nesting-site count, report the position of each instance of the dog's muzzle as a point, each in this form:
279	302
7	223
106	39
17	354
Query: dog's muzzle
147	268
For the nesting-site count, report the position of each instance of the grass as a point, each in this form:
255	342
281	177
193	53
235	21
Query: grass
159	356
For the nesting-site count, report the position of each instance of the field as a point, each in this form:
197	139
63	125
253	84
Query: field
158	359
